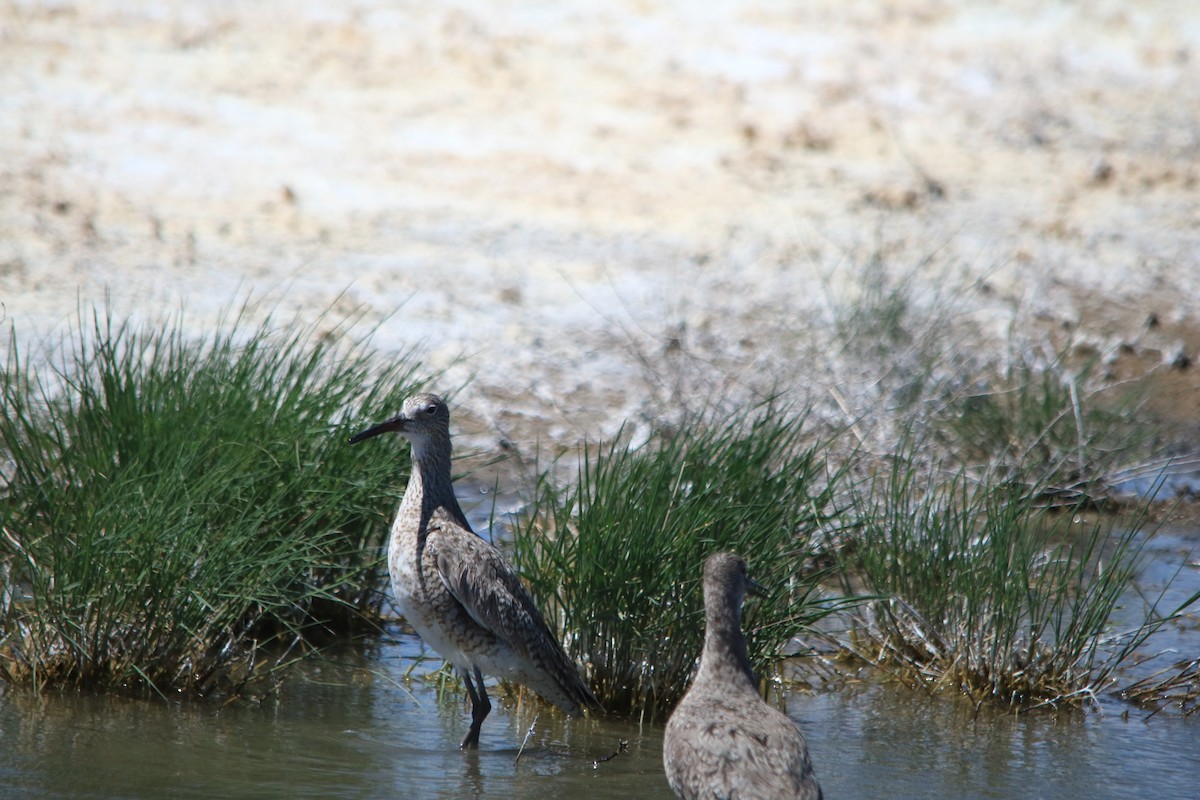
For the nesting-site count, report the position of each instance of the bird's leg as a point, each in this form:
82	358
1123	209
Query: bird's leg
481	706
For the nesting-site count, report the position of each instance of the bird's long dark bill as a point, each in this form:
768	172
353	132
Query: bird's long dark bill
752	586
393	424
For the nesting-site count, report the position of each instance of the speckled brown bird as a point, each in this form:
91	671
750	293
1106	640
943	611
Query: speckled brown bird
723	742
456	590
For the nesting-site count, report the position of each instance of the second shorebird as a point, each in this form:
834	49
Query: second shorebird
456	590
722	741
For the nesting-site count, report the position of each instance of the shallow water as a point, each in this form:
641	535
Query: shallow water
350	725
344	727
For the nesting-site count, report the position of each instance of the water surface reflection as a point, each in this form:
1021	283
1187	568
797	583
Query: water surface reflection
350	727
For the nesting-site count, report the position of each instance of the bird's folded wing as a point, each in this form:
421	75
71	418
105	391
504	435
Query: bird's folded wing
488	588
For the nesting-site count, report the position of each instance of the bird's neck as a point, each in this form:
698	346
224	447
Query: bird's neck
430	486
725	651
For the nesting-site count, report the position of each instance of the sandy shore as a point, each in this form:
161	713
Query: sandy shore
586	207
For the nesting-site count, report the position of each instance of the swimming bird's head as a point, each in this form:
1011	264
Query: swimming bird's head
422	418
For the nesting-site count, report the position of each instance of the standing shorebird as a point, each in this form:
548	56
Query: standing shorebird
456	590
723	742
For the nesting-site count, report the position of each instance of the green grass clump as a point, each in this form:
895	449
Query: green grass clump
979	588
1042	421
174	504
615	559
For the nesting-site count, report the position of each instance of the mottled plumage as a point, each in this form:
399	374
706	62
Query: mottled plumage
723	742
456	590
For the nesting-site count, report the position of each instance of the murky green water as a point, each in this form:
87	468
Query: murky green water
351	727
346	730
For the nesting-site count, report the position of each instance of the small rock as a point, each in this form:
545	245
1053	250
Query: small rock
1102	171
1177	358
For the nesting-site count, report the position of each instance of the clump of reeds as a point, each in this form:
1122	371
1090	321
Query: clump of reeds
1042	421
178	511
904	341
978	587
615	558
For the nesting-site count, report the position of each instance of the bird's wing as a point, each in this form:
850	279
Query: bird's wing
490	590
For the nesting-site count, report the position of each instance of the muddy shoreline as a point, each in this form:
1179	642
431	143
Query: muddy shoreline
582	212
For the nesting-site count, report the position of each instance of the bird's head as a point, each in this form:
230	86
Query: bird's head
422	418
725	575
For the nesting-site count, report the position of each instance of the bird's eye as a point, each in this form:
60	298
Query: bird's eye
431	408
